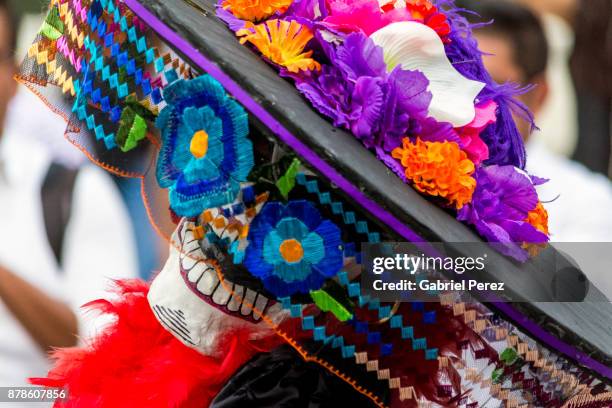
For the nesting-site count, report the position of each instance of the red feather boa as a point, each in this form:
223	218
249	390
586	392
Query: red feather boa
137	363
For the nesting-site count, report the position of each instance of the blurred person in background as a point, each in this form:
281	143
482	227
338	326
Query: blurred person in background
591	67
589	62
47	131
565	9
558	116
578	200
63	234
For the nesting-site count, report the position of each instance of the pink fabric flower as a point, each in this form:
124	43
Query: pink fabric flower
472	144
362	15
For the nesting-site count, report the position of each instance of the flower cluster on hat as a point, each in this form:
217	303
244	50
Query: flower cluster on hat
407	79
357	93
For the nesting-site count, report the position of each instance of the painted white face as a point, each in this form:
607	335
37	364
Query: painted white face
191	302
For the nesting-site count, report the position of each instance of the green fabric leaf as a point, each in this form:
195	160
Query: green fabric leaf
327	303
509	356
286	183
53	27
497	375
132	129
132	102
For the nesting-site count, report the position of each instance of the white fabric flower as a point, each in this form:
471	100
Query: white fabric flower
415	46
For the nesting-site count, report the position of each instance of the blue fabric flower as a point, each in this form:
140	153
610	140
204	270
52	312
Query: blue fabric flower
292	249
205	152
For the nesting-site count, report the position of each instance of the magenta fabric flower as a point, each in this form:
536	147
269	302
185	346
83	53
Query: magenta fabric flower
472	144
503	197
362	15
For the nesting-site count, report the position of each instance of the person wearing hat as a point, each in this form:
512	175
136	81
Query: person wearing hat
377	135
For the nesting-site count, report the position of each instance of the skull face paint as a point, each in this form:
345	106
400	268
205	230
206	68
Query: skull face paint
191	302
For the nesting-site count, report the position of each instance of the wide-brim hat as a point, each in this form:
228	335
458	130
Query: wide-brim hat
193	30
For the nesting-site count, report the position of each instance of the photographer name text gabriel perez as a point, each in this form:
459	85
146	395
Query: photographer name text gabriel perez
440	285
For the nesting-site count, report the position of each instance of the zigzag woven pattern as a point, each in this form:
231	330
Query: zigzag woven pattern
346	349
337	207
97	53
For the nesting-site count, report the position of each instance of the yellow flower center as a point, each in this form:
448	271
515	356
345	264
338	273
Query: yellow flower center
291	250
199	144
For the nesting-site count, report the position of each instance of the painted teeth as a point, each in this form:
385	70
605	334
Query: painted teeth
204	278
236	300
188	256
196	272
235	297
189	262
260	305
208	282
243	301
190	243
221	295
274	309
191	247
249	300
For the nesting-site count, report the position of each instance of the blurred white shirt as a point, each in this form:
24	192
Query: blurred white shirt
98	246
583	210
558	118
579	204
47	128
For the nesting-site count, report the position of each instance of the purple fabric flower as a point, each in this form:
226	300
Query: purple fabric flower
430	130
357	93
538	181
327	92
407	98
350	91
366	108
358	56
312	10
503	197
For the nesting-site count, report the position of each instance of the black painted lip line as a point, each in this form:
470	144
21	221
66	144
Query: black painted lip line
313	159
193	286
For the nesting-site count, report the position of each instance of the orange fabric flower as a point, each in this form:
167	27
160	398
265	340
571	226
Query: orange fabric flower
282	42
255	10
538	217
438	169
425	12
